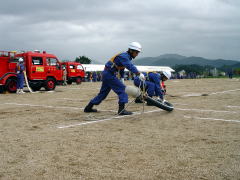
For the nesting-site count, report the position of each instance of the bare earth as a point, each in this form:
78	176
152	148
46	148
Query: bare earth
47	135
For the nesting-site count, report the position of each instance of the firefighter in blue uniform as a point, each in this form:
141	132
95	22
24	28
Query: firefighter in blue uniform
152	84
110	81
20	76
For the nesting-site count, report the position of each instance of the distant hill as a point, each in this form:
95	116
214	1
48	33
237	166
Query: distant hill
172	56
175	59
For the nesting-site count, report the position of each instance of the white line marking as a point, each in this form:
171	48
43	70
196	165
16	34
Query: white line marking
192	95
107	119
202	94
221	92
50	91
214	119
117	117
180	104
58	107
205	110
69	99
233	106
33	105
66	107
74	88
81	88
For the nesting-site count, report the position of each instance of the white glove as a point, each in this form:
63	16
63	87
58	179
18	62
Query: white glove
142	77
122	80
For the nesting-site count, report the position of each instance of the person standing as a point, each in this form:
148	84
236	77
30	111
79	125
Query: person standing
64	76
20	76
94	76
115	65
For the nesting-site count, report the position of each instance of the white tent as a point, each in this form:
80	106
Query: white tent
93	67
100	67
154	68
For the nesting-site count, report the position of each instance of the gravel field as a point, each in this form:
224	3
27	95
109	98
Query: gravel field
46	135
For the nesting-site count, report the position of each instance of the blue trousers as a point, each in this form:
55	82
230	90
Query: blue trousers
110	82
20	81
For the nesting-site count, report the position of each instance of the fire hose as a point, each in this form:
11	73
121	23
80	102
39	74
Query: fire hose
26	81
138	92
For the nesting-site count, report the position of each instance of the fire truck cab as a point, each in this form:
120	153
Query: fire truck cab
75	72
8	77
42	69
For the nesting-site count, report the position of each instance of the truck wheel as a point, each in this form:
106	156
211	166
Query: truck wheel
69	82
11	85
50	84
78	80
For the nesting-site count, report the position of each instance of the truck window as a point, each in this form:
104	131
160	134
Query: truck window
14	60
72	66
79	67
53	62
37	61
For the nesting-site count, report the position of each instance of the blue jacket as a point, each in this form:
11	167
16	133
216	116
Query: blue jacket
20	68
156	79
119	62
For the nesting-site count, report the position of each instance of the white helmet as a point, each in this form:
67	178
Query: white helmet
135	46
167	74
20	60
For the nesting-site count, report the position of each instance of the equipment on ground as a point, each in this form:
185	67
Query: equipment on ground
26	81
138	93
133	91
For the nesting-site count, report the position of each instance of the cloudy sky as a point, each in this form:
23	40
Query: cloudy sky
100	28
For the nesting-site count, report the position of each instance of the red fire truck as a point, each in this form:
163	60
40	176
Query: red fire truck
75	72
42	69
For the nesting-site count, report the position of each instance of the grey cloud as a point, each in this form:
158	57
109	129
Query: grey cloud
208	28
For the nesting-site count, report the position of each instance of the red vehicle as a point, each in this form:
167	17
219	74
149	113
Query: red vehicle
75	72
8	77
42	69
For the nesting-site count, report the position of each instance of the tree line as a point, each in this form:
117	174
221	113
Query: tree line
189	69
207	70
83	60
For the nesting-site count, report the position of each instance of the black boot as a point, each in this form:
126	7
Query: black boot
138	100
122	111
89	108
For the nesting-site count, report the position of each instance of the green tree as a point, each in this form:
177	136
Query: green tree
193	68
83	60
231	68
237	71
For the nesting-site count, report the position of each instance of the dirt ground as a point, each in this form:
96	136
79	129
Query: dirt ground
46	135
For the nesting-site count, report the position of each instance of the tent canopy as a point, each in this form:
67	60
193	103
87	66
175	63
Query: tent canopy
100	67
